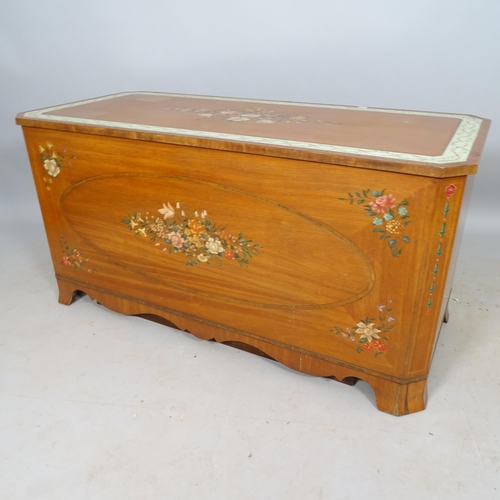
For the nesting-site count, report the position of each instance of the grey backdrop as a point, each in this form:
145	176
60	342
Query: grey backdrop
433	55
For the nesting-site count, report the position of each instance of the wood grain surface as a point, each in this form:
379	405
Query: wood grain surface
333	271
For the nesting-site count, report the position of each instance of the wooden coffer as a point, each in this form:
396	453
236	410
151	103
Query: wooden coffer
321	236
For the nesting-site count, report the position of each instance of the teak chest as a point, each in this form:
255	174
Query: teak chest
321	236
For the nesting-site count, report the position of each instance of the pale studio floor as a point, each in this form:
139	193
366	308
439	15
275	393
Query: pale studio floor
95	405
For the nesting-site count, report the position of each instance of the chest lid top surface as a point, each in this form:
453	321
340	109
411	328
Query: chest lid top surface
415	142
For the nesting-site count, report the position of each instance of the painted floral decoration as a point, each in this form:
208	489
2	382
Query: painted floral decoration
370	333
449	191
52	162
72	257
389	217
194	236
255	114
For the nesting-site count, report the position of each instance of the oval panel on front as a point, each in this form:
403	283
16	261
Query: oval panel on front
217	241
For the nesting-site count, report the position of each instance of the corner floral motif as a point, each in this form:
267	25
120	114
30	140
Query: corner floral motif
72	257
389	218
449	191
370	333
194	236
52	162
255	114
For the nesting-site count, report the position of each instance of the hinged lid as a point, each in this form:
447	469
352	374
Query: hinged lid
415	142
